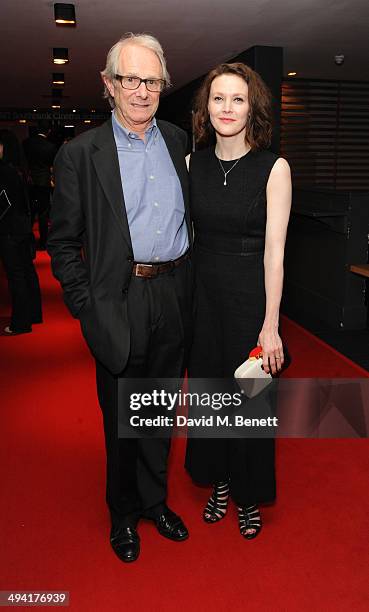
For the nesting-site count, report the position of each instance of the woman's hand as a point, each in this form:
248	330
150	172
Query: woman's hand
278	211
271	343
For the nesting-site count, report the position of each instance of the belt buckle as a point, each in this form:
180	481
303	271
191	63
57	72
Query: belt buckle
140	268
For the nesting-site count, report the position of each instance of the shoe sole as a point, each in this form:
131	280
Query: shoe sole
169	537
126	560
16	333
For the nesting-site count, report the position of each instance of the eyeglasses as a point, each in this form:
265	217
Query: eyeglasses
133	82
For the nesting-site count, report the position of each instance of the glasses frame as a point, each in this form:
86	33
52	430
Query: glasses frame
120	77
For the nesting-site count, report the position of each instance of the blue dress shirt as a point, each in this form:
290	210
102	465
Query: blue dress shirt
152	194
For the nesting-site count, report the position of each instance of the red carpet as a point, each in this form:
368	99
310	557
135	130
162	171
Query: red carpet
311	357
313	553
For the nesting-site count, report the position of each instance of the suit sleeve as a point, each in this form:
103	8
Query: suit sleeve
65	242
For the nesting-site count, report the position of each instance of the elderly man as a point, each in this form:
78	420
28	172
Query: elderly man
119	241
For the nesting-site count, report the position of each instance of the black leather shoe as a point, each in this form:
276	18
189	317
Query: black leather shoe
171	526
8	331
125	542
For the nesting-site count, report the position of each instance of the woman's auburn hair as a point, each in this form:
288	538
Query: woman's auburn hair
259	123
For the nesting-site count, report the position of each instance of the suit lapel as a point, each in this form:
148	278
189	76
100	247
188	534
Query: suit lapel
176	154
105	160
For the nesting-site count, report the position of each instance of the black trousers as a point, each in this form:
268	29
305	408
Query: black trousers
24	287
160	316
40	207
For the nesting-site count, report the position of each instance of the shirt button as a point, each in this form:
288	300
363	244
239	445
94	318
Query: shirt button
156	204
129	144
158	231
151	177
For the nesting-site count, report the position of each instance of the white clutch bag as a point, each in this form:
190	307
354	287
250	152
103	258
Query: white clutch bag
250	375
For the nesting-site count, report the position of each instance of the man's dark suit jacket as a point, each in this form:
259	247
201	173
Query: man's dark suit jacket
89	239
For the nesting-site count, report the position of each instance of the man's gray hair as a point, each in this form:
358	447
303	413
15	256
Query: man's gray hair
112	60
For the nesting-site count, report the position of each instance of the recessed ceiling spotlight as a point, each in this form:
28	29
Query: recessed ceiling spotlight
65	14
55	106
58	78
22	120
292	73
339	59
60	55
87	121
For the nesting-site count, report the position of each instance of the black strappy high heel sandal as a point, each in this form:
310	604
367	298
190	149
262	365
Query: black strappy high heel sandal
216	507
249	518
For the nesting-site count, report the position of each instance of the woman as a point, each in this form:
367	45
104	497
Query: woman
16	241
241	198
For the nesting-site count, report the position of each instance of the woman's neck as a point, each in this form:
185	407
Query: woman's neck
231	147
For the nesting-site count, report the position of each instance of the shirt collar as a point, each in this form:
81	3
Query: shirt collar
121	132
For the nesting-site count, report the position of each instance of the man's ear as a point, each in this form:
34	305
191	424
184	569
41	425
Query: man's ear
109	85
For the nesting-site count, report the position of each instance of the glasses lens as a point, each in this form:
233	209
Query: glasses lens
130	82
154	84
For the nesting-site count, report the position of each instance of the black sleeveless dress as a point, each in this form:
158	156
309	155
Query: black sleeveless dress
229	224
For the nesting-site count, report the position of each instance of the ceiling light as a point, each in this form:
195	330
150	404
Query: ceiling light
22	120
64	14
339	59
55	106
35	110
292	73
58	78
74	110
60	55
87	121
69	126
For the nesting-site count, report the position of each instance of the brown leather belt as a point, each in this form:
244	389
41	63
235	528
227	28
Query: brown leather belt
149	270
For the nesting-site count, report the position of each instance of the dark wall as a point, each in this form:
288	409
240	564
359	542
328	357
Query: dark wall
176	107
325	133
267	61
